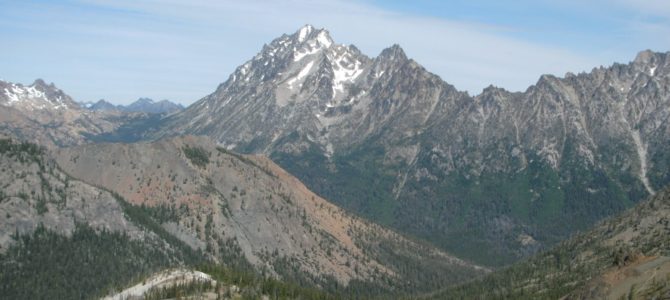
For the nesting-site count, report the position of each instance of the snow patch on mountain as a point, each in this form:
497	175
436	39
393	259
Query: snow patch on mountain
304	31
23	92
31	98
345	74
300	54
346	67
301	75
13	97
313	46
324	39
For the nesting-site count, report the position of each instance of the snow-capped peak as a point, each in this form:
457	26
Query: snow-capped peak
395	52
311	36
273	59
304	32
323	38
320	42
39	95
303	63
346	68
310	41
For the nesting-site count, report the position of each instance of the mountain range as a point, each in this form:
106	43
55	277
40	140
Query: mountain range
44	114
142	105
486	177
404	186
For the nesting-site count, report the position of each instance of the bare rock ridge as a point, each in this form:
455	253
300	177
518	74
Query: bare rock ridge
224	203
575	148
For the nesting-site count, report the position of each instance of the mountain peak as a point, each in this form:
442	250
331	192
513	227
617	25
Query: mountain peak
545	80
102	101
309	34
492	89
645	57
42	85
653	63
148	105
393	52
39	82
144	100
303	32
102	105
651	57
38	95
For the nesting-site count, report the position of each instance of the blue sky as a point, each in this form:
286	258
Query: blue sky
121	50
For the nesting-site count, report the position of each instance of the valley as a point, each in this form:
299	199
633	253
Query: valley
625	256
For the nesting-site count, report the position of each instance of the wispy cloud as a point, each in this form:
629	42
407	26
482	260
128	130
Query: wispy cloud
121	50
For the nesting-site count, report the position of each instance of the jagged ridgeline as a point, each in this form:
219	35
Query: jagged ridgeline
485	177
142	105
